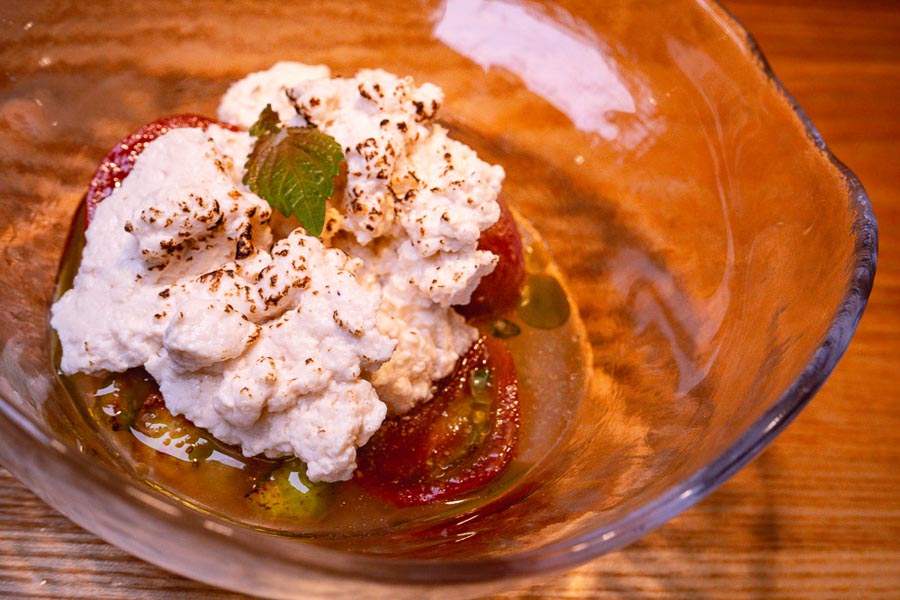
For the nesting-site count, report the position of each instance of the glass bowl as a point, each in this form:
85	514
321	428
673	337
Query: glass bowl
719	255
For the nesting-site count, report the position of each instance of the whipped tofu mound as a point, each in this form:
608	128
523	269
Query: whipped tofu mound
296	346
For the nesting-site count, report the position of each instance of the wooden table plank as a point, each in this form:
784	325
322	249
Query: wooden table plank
817	515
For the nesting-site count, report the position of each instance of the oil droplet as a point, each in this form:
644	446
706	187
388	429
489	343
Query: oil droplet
504	329
544	304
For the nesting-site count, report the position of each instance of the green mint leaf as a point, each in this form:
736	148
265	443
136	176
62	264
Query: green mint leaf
293	169
267	122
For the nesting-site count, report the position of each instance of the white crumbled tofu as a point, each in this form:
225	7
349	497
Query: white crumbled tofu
297	390
430	337
246	98
108	321
302	346
241	335
448	194
188	343
429	342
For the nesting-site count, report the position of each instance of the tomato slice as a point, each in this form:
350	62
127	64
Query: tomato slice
457	442
499	291
120	160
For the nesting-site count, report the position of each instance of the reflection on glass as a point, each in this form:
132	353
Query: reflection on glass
565	66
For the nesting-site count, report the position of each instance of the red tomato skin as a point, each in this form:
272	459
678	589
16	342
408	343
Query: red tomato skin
499	291
394	465
117	164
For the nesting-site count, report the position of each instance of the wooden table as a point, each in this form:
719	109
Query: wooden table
815	516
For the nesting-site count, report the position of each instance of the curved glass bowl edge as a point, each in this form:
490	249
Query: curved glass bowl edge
823	362
579	549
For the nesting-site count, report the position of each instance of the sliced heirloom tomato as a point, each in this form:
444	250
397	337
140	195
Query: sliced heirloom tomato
117	164
499	291
456	442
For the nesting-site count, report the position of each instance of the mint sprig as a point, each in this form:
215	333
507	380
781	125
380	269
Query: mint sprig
293	169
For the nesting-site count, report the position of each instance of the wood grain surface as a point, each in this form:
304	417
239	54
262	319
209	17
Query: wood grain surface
817	515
